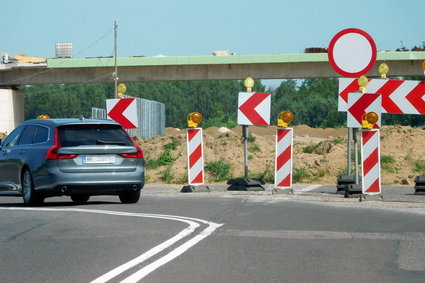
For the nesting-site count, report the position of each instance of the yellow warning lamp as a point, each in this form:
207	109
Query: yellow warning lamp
193	119
363	81
284	118
43	116
369	120
249	84
121	90
383	70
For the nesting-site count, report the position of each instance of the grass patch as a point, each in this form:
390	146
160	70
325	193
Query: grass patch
165	159
267	175
337	140
419	166
167	175
173	144
220	170
311	148
254	148
299	174
251	138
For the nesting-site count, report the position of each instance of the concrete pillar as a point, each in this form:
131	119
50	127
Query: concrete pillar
11	109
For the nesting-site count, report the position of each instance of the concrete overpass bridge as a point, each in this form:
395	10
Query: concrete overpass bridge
130	69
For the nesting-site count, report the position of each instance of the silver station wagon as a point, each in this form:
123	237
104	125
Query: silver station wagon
74	157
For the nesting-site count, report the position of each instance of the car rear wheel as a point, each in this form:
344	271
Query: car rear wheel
80	199
29	195
130	196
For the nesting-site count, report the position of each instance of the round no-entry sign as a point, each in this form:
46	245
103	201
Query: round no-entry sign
352	52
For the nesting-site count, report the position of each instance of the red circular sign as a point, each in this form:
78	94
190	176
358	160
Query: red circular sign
352	52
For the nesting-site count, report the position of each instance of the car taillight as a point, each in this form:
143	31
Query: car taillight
137	154
52	153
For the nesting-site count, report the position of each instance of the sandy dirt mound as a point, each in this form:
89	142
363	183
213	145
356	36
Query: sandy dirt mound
320	155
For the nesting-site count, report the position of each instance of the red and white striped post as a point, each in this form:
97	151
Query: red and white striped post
195	156
283	161
371	165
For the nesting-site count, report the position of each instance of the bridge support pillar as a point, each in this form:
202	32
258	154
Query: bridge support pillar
11	109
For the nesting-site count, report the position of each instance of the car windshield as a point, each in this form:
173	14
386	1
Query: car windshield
76	135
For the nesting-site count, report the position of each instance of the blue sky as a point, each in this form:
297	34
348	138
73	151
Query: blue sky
198	27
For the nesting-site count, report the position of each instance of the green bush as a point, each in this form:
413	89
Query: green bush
220	170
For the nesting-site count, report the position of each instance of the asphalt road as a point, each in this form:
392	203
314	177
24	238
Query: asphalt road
313	235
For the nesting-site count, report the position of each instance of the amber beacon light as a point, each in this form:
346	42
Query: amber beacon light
369	119
193	119
284	118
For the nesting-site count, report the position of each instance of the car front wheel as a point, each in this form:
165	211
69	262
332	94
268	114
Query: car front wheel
130	196
29	195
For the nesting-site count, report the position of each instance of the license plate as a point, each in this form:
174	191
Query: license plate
98	159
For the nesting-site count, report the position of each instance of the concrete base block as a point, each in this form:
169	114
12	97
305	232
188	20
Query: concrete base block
378	197
245	184
353	189
195	189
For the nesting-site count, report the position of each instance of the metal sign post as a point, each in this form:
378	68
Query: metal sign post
253	109
245	134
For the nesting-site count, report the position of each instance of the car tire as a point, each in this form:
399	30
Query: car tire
80	199
130	196
29	195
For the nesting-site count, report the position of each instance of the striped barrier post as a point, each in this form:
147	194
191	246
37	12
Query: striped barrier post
195	156
371	166
283	161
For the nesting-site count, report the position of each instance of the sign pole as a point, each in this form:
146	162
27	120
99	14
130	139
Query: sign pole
245	134
356	155
253	109
350	136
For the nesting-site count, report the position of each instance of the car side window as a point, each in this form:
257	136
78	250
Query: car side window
41	135
27	135
12	139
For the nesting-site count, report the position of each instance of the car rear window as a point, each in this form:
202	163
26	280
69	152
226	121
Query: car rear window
75	135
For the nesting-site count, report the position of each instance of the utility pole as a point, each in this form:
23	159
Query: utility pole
115	56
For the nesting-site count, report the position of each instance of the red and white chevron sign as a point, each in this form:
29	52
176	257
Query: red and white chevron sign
371	167
254	108
195	156
123	111
360	103
283	161
398	96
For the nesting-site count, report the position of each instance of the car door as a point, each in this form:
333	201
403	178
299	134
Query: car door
8	160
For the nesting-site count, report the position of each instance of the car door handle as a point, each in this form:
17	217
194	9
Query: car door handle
22	152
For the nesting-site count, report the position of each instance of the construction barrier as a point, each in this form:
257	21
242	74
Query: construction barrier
195	156
283	162
371	167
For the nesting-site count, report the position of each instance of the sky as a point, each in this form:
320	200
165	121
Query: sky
199	27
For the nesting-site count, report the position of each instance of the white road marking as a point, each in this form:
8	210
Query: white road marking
159	248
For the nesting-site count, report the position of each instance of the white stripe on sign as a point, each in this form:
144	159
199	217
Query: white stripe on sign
371	176
195	142
399	97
